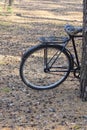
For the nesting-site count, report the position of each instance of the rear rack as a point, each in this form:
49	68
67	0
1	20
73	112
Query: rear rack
53	39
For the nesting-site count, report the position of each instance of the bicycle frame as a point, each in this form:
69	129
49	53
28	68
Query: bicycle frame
55	56
77	63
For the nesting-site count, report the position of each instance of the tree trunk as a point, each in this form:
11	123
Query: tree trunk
10	2
83	84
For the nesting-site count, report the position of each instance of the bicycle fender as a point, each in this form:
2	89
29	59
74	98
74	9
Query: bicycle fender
28	51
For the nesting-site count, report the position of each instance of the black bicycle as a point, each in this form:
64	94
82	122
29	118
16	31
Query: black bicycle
48	64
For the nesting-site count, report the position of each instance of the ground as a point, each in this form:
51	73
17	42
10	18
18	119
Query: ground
22	108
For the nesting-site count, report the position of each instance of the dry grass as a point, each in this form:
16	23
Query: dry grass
23	108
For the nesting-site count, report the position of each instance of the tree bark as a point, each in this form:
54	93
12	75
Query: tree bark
83	83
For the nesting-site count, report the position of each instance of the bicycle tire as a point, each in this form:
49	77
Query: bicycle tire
32	70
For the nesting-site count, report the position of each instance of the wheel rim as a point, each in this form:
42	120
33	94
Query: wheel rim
33	73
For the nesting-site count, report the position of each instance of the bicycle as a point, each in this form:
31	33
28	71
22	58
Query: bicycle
48	64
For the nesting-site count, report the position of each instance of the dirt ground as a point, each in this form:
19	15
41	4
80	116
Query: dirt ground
22	108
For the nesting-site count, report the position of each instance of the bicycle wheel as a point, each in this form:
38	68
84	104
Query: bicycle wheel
33	67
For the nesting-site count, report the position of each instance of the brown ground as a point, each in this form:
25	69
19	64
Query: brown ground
22	108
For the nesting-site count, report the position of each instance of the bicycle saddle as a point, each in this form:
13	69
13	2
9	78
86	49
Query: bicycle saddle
71	30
